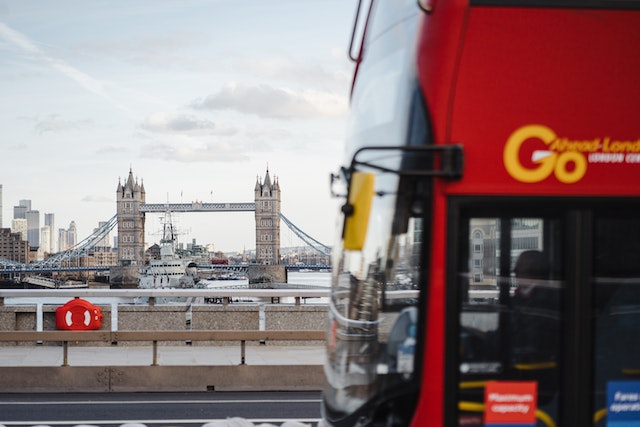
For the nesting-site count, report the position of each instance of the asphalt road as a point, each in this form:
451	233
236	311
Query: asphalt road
157	409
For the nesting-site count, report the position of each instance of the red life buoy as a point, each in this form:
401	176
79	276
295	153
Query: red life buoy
78	314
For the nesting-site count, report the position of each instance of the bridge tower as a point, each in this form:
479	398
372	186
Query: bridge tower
129	198
267	198
267	268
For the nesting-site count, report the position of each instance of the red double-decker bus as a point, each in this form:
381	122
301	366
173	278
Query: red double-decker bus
488	270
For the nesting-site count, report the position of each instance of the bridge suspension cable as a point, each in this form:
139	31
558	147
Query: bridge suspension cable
83	246
9	263
78	250
313	243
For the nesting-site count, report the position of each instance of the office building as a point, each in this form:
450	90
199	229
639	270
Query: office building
13	247
45	238
20	211
19	225
63	244
49	221
33	228
72	235
104	242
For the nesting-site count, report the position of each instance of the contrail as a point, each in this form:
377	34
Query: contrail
89	83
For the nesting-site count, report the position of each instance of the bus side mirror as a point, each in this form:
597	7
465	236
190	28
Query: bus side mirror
357	210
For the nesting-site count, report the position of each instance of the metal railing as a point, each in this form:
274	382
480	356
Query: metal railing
153	294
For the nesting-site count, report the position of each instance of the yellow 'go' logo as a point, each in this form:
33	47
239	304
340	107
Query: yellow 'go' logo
547	161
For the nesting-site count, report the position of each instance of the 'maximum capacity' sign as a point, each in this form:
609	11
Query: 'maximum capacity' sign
510	403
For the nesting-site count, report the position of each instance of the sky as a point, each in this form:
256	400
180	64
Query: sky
197	97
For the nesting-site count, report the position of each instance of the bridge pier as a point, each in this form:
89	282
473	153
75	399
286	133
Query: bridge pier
264	274
124	276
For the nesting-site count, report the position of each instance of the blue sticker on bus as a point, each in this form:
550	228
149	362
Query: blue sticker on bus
623	403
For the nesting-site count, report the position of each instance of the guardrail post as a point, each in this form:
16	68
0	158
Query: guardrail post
155	354
39	319
262	320
152	301
65	353
114	317
242	352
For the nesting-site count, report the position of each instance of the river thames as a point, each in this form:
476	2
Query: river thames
305	278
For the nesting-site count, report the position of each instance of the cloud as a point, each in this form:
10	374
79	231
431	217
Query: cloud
307	73
97	199
261	133
253	142
53	123
270	102
89	83
188	151
112	149
151	50
164	123
18	147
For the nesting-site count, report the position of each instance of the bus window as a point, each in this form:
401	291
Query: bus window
616	313
509	295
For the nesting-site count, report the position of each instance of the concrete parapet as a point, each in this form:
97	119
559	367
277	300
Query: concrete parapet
304	317
230	317
96	379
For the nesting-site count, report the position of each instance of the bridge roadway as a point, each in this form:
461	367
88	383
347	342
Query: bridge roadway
198	207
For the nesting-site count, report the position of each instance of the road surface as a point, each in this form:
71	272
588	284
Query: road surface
157	409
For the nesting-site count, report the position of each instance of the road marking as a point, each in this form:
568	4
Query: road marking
168	422
161	402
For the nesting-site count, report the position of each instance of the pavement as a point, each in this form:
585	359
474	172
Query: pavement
182	355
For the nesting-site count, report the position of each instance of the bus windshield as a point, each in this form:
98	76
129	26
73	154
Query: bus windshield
373	312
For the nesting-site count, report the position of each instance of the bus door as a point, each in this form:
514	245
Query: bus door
545	329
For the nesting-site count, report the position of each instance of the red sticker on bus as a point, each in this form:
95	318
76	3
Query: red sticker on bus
513	402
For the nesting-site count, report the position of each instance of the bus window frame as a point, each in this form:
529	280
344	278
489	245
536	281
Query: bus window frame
578	218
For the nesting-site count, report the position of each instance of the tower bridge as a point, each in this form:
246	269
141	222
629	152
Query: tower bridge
132	207
130	224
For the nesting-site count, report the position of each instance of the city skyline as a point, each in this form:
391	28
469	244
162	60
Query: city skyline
24	207
197	98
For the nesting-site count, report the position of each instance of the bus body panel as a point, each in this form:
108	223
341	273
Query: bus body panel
472	76
439	42
430	408
546	102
